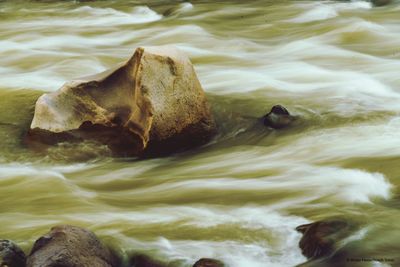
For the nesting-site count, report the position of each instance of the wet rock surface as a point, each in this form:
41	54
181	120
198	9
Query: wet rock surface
151	104
278	118
320	238
70	246
141	260
206	262
11	255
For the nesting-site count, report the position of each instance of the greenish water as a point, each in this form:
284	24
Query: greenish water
239	198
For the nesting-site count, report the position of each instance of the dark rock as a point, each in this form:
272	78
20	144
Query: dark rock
278	118
208	263
381	2
320	238
11	255
70	246
154	102
141	260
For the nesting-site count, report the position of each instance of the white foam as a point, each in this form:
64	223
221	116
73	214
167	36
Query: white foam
91	16
282	251
380	264
363	140
34	171
358	235
72	168
135	171
300	165
296	68
321	12
343	91
41	80
32	177
338	184
348	185
234	254
183	8
10	171
110	16
353	5
326	10
179	33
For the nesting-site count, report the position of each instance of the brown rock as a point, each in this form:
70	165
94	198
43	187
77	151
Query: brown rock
70	246
208	263
11	255
151	104
141	260
320	238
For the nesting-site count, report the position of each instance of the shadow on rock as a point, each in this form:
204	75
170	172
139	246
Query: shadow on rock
11	255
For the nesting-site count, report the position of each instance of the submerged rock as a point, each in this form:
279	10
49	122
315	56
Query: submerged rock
278	118
70	246
381	2
320	238
205	262
151	104
11	255
141	260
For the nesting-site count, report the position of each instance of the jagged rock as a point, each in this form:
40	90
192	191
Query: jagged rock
141	260
320	238
70	246
205	262
11	255
278	118
151	104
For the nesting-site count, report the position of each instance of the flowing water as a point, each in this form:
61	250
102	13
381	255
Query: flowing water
335	64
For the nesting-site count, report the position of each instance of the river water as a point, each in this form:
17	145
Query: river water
238	198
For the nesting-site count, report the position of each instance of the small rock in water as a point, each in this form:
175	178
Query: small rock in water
319	238
141	260
11	255
381	2
70	246
278	118
205	262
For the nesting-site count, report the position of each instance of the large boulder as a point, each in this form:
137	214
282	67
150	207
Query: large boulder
11	255
151	104
70	246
